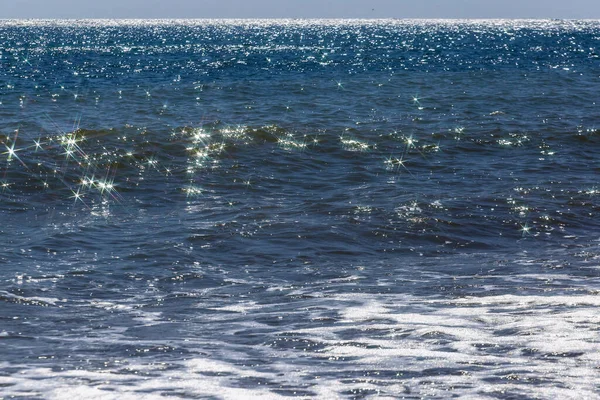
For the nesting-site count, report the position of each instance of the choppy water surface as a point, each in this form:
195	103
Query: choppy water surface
299	209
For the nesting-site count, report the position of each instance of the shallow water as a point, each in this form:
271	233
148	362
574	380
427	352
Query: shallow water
312	209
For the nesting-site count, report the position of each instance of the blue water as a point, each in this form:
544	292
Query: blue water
299	209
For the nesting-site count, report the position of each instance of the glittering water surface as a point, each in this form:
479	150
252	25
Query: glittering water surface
309	209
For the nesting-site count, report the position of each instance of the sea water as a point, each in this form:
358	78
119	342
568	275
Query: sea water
299	209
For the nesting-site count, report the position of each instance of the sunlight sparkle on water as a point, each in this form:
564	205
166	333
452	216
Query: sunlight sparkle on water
525	229
11	152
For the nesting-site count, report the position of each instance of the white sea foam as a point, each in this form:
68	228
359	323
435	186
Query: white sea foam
386	345
45	301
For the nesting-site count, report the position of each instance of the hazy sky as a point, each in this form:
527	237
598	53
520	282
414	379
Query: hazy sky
300	9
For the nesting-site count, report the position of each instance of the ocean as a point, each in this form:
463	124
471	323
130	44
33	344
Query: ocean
311	209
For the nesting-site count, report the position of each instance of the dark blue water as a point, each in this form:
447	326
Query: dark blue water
299	209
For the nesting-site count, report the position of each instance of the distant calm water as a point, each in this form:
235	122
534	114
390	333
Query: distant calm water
299	209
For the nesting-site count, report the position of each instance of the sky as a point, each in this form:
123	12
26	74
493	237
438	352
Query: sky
588	9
